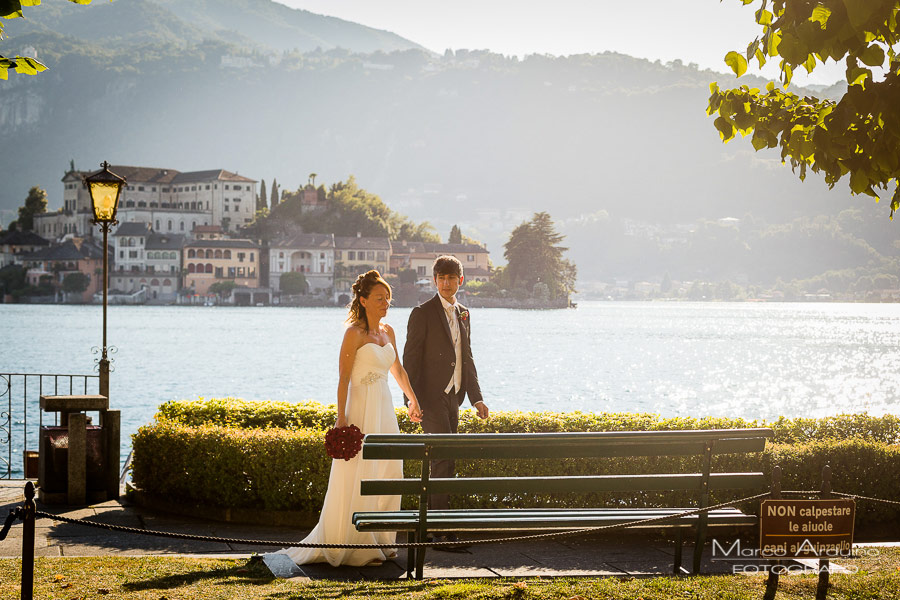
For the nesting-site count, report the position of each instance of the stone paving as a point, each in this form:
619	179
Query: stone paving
623	554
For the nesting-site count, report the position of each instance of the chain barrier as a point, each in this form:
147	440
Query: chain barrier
858	497
281	543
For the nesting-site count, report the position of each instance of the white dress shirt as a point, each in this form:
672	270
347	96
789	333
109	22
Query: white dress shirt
455	383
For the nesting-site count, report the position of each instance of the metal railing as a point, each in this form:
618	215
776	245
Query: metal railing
19	405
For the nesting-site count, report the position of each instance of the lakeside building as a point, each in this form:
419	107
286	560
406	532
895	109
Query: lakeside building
171	201
311	254
16	244
207	261
419	256
355	255
75	255
146	263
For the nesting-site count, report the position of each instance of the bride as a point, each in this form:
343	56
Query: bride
368	352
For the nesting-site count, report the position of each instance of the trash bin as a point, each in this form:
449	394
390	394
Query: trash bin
78	462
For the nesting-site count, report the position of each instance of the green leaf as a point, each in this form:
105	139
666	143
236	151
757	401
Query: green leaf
763	17
726	129
820	14
856	75
810	63
872	56
29	66
737	63
858	182
10	9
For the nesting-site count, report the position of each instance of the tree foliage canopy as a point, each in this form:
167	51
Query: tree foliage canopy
293	283
24	65
75	283
349	209
534	255
35	204
857	136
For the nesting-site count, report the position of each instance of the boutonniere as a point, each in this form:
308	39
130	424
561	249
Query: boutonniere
463	315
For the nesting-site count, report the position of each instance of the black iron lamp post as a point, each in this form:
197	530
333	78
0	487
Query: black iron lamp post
105	188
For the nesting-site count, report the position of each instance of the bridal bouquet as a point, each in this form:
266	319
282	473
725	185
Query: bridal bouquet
343	442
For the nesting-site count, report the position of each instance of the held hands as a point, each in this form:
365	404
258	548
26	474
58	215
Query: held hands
341	421
481	410
414	412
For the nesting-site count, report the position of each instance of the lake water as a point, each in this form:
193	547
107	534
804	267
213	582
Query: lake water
749	360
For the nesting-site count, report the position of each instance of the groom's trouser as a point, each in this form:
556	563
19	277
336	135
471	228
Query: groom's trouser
443	417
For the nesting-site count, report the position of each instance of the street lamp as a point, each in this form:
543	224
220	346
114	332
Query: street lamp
105	188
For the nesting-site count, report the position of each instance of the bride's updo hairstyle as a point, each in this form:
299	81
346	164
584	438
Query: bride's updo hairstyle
361	289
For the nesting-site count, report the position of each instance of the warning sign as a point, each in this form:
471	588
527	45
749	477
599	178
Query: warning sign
806	528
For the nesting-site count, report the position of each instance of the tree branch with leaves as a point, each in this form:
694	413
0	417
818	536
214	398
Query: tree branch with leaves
24	65
858	135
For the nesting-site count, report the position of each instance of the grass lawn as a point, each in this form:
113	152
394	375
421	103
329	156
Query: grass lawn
164	578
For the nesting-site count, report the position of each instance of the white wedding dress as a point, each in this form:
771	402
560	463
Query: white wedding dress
369	407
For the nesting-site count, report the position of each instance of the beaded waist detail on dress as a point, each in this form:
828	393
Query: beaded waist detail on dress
371	377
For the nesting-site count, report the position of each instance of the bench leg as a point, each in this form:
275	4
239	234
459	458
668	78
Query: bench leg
420	560
410	554
676	568
698	545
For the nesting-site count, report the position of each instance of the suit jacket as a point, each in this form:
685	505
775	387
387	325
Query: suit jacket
429	356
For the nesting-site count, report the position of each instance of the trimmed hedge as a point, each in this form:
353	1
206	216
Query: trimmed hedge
286	468
233	412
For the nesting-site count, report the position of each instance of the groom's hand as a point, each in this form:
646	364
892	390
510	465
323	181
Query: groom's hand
482	410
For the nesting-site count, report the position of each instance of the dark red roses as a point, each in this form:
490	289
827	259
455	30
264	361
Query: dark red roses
343	442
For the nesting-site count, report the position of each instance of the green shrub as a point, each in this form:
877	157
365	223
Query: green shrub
278	468
233	412
273	469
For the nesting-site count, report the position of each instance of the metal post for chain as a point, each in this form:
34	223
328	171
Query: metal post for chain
27	515
825	494
772	581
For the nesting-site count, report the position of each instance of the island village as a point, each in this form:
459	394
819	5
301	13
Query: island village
178	241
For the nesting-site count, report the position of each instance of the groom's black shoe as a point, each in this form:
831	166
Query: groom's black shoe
450	537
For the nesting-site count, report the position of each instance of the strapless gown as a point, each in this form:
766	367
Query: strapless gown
369	407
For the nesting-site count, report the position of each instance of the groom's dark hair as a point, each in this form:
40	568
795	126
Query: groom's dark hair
447	265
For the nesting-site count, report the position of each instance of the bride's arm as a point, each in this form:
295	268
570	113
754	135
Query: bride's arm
351	343
402	377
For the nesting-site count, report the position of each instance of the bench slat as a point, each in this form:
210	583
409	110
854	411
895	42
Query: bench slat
511	519
569	484
562	448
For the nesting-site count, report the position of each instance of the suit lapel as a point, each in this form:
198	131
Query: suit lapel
442	315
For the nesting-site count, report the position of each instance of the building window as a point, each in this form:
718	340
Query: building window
251	256
370	255
351	255
226	208
182	225
321	255
170	224
193	188
337	255
240	256
218	271
228	254
470	257
207	186
226	186
380	255
157	224
420	271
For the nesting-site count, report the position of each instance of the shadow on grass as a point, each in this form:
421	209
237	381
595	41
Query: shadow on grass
255	573
339	589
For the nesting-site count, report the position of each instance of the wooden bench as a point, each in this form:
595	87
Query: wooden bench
417	523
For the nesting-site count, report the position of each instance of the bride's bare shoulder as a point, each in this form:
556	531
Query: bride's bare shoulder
354	333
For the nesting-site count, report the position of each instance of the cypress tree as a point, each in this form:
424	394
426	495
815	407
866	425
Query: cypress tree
273	200
261	200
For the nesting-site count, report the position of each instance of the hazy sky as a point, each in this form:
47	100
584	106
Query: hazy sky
698	31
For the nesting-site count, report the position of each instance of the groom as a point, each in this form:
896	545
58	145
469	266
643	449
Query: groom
438	358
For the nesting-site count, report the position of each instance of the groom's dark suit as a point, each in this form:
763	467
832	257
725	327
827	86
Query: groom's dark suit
429	358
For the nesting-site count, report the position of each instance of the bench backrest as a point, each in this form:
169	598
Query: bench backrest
565	445
704	443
